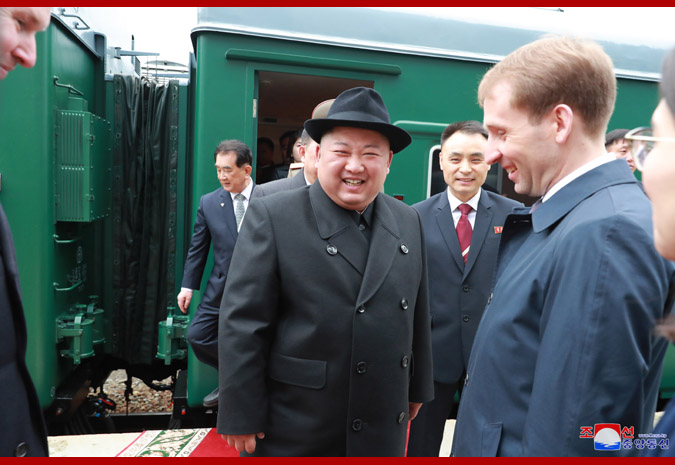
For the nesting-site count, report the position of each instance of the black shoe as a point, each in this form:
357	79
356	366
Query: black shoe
211	400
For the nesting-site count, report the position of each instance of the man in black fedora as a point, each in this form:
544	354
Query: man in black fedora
328	371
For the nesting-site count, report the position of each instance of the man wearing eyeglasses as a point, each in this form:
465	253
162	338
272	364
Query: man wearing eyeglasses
566	342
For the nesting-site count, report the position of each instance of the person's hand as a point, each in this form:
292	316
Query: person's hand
184	299
243	441
413	408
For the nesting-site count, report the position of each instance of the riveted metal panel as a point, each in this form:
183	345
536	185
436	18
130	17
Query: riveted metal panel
83	163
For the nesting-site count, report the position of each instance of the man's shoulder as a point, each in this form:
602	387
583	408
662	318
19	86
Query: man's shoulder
427	204
273	187
398	207
282	198
215	194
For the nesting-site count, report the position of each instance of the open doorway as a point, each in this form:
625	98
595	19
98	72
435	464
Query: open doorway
285	102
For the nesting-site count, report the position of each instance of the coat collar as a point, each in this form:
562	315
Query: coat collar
339	229
610	174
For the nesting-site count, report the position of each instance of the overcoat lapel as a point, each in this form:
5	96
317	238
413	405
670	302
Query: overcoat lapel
230	220
480	230
447	228
338	229
385	243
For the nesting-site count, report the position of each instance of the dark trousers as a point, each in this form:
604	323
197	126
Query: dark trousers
203	335
426	430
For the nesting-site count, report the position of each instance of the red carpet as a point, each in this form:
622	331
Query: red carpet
204	442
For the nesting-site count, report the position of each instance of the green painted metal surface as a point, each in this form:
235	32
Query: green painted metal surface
83	166
52	257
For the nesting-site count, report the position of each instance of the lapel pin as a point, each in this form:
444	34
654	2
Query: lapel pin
498	229
222	204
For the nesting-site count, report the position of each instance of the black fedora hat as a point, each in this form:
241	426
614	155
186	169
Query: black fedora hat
360	107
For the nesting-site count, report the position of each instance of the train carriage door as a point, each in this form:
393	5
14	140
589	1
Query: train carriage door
284	102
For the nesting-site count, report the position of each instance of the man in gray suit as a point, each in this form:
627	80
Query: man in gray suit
329	371
305	177
459	284
218	220
22	427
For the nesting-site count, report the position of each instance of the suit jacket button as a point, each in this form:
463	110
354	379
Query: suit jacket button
401	417
465	318
361	309
404	304
356	425
466	288
404	361
21	450
361	368
331	249
404	248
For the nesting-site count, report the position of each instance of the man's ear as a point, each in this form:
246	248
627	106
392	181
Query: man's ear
563	118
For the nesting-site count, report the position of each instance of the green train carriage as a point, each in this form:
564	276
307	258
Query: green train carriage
99	277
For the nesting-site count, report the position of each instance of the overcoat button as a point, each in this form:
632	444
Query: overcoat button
404	248
401	417
465	318
466	288
356	425
361	368
331	249
21	450
404	304
404	361
361	309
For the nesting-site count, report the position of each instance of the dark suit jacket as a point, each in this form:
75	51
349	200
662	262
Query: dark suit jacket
280	185
215	223
22	428
567	337
458	293
319	334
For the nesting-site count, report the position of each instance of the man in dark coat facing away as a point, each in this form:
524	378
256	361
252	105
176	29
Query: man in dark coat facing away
325	311
22	428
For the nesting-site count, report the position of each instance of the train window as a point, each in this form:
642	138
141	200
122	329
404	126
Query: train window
286	101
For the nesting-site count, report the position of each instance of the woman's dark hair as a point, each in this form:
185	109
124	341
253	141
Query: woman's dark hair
668	80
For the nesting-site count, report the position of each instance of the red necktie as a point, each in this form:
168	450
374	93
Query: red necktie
464	230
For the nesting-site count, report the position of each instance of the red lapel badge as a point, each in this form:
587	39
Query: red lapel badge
498	229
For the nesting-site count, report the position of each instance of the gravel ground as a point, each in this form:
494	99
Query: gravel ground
143	399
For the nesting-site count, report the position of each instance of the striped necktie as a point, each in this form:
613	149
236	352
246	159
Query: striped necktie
464	230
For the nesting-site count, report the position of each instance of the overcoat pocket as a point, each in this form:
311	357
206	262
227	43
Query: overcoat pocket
297	371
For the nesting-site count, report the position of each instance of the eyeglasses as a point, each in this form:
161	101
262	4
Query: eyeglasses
641	143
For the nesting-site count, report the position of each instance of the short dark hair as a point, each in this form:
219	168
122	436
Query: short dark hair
668	81
244	156
614	135
266	141
467	127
